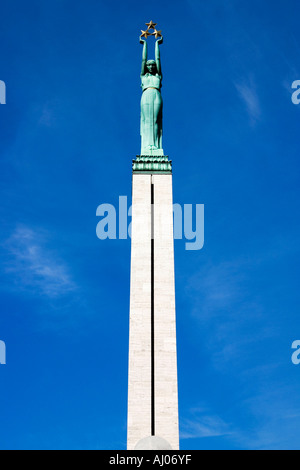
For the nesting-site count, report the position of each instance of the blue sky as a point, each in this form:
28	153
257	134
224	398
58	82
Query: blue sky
69	131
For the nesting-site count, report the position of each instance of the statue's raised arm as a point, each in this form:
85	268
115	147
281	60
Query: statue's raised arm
144	56
157	56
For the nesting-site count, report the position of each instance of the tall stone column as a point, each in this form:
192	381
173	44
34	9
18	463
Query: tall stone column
152	385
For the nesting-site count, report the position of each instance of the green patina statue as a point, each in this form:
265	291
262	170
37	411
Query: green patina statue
151	102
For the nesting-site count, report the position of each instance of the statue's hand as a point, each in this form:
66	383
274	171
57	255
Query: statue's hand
142	41
160	40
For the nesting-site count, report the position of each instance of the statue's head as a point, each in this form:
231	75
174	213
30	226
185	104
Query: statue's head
151	66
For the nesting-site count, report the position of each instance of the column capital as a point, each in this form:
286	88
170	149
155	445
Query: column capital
152	164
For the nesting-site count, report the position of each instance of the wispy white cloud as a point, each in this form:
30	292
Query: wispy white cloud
276	419
248	95
219	293
219	285
273	421
32	266
235	328
201	423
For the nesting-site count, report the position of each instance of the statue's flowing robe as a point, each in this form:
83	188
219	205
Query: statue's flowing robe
151	113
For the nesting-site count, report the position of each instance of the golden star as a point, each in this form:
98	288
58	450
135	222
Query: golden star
145	34
151	25
157	34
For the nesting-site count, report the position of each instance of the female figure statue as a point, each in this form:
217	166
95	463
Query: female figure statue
151	102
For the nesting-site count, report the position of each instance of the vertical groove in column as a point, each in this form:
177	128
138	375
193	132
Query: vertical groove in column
152	316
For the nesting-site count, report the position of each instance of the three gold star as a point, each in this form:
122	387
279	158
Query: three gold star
157	34
151	25
147	33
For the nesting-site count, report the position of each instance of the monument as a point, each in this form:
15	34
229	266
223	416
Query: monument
152	378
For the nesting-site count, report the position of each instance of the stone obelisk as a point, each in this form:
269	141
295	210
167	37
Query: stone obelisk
152	382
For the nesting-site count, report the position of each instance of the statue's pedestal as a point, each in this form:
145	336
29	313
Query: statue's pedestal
149	164
153	152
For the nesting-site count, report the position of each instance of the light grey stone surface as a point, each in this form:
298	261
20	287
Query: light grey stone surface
165	359
153	443
166	397
139	379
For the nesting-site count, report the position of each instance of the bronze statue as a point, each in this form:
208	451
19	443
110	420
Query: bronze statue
151	102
